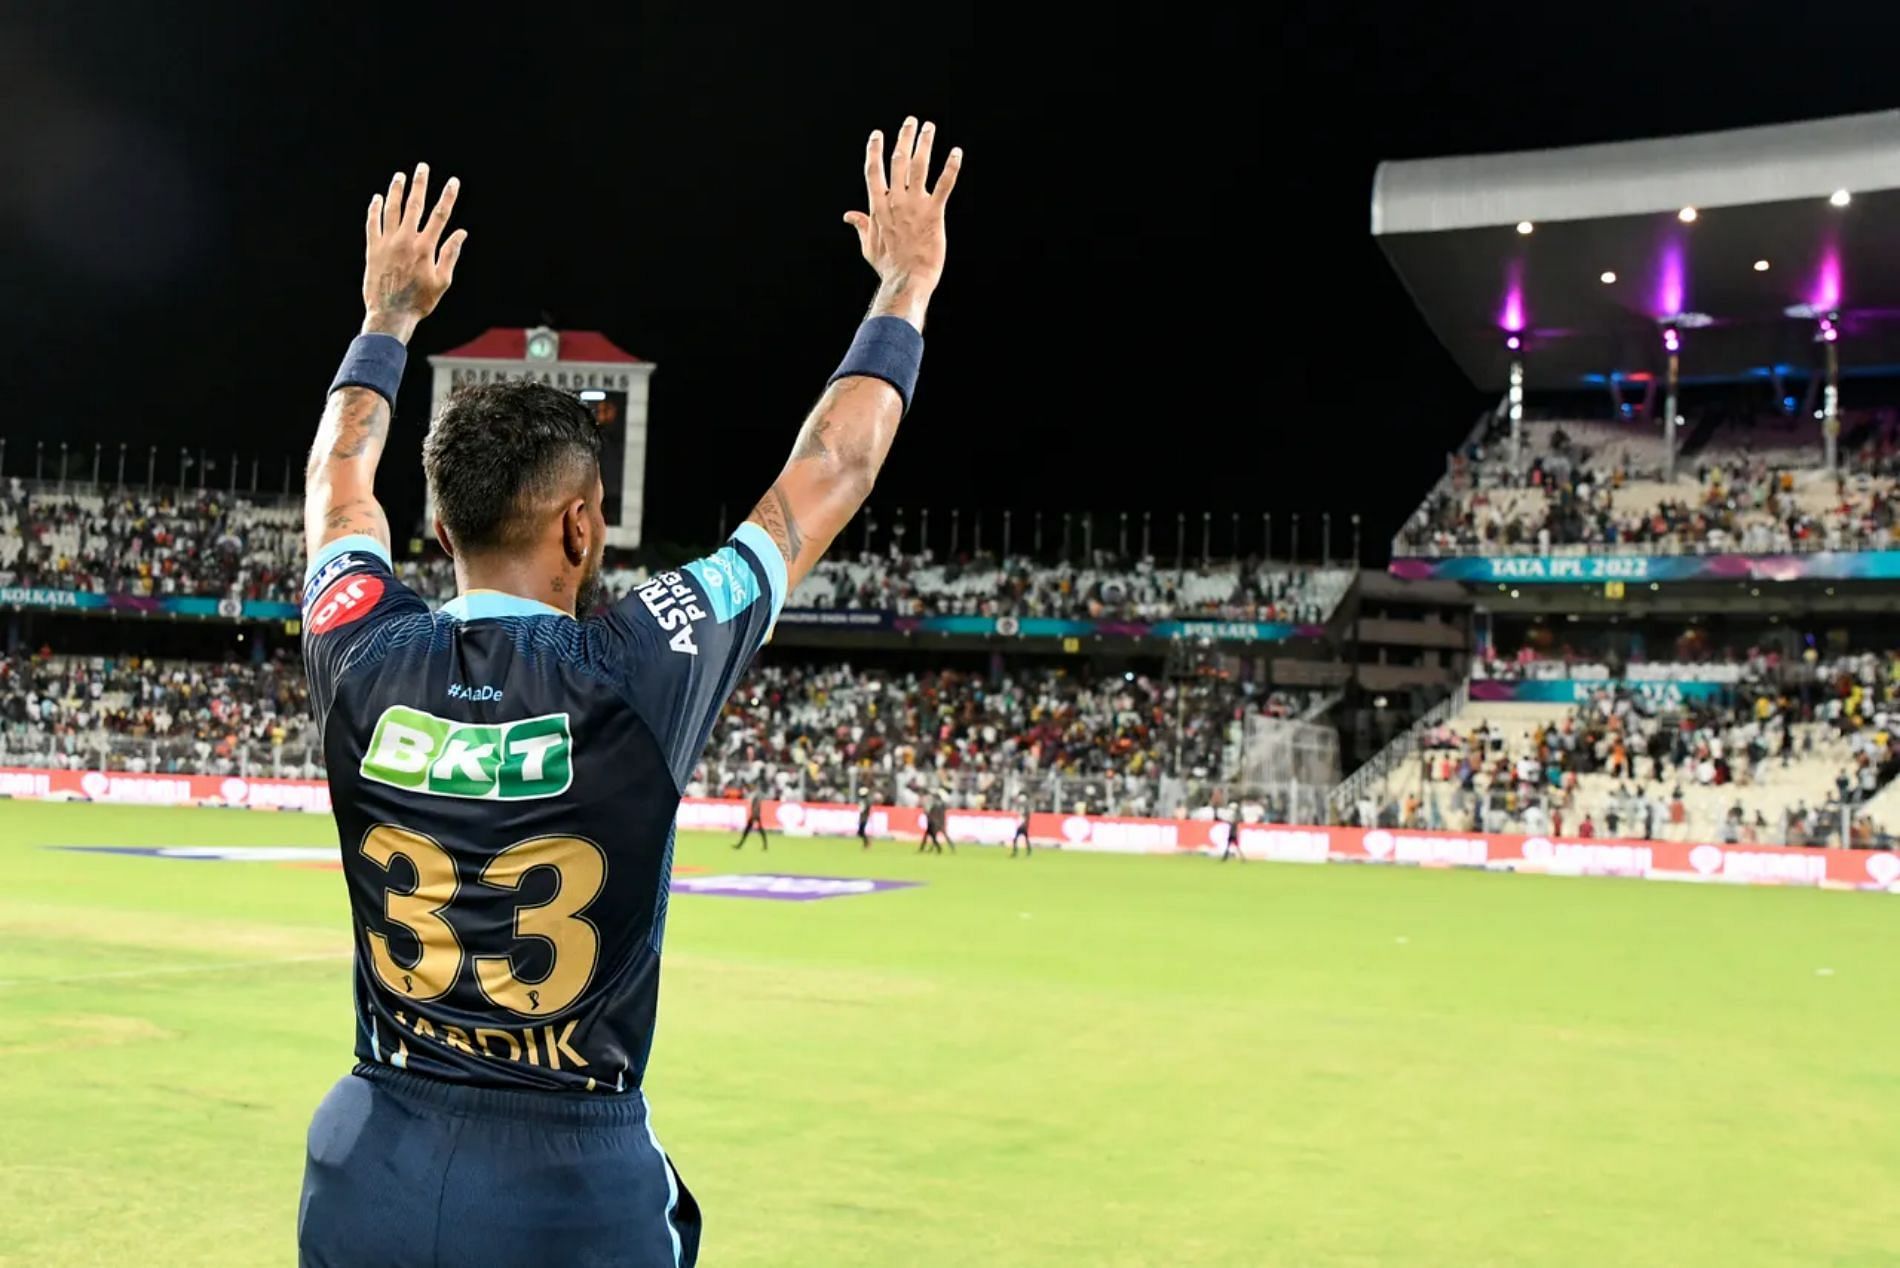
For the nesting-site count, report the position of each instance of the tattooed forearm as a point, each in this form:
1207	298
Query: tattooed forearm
811	440
339	479
852	443
774	515
356	420
363	420
835	461
353	514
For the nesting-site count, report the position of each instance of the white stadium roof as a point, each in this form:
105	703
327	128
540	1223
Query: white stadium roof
1776	163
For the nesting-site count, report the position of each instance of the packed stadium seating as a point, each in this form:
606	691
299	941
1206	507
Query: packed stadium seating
128	713
830	732
810	732
1755	486
983	585
1800	758
113	540
123	541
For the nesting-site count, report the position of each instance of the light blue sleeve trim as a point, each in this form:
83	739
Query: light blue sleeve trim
760	543
355	541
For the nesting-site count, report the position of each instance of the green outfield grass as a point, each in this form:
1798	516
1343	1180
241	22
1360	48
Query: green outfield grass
1081	1060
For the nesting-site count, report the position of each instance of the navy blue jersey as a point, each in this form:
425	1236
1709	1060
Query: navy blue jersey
505	780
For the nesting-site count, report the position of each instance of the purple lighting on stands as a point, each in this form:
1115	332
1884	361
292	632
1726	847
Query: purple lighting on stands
1827	286
1670	290
1514	343
1511	316
1672	341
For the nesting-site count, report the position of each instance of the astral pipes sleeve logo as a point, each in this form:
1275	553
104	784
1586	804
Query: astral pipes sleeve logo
514	761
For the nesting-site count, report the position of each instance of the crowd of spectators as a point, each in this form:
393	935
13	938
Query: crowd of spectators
984	585
812	732
123	541
1647	752
831	732
128	713
1609	493
204	542
1107	587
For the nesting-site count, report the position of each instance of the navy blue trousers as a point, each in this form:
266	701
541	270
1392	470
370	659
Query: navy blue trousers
405	1170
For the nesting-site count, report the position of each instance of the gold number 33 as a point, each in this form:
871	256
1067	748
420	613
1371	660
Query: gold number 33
580	871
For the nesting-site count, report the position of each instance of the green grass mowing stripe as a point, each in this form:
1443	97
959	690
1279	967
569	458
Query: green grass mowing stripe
1074	1060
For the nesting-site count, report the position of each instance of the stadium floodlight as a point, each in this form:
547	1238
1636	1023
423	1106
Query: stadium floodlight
1761	266
1840	198
1672	342
1687	215
1525	226
1514	343
1607	276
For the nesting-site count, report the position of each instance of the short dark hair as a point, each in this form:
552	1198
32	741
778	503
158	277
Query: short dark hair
498	450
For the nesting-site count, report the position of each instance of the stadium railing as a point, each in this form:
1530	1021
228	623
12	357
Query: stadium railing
175	755
1371	775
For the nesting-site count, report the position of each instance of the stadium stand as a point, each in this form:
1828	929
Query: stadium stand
123	541
1755	487
983	585
1791	755
1125	744
144	715
114	540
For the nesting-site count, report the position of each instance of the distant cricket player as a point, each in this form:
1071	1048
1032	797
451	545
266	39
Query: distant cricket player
754	818
936	836
864	820
1231	847
1022	831
505	777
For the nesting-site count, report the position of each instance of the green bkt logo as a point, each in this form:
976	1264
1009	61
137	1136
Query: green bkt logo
515	761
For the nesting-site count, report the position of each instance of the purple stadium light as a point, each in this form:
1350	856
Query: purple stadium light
1670	288
1827	284
1511	316
1514	343
1672	341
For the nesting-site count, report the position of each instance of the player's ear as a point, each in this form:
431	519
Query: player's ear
442	537
576	532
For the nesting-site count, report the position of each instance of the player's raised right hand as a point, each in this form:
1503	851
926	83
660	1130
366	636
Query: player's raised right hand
902	234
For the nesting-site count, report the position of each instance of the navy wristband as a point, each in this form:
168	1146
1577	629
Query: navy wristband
887	348
374	362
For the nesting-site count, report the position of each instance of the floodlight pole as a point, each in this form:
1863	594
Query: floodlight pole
1517	407
1669	412
1831	399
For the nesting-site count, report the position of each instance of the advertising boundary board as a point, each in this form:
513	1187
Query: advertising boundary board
1699	861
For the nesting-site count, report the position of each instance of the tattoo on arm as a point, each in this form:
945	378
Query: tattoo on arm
828	439
774	514
361	515
364	418
811	441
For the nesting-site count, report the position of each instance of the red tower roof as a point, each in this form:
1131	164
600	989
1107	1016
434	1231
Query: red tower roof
505	343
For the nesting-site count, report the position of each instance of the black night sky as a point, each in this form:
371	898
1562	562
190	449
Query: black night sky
1162	293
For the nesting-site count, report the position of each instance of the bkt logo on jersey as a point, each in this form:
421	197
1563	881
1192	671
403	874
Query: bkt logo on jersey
514	761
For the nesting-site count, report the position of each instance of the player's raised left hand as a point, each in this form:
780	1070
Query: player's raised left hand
407	267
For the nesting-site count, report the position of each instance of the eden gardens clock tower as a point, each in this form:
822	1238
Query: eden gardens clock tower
611	381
